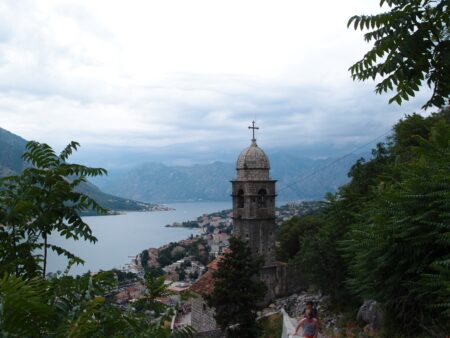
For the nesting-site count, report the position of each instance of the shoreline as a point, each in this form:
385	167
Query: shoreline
216	227
113	212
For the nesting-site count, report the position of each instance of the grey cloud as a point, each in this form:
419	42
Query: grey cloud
55	92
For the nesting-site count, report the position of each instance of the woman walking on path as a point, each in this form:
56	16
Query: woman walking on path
309	323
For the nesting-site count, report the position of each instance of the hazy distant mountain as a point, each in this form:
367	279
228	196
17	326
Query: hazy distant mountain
11	150
298	178
11	163
158	182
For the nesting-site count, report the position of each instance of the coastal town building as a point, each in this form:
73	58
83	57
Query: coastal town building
129	293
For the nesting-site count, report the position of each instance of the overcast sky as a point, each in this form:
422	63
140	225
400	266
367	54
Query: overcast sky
184	78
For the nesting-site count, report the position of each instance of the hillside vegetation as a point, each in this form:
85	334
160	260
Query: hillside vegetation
386	234
42	201
11	149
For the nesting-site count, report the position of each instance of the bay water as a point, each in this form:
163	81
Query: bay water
121	237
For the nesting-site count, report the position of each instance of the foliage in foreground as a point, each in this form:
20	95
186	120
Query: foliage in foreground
411	45
271	326
386	234
74	307
41	201
399	250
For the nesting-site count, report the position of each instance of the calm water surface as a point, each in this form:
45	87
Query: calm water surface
126	235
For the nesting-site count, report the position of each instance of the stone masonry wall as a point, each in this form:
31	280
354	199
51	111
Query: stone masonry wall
281	280
202	316
294	280
210	334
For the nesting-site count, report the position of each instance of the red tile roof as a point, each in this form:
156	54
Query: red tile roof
205	284
214	265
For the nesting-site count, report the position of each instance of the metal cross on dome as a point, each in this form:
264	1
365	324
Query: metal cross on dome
253	127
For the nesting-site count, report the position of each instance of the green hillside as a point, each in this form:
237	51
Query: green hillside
11	149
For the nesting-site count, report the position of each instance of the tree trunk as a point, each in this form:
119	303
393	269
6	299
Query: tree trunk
16	263
45	255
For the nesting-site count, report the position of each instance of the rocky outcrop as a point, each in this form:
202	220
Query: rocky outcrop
332	323
371	313
295	306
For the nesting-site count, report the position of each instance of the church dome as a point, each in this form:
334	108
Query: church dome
252	157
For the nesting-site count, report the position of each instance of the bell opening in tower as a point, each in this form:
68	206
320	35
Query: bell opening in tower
262	198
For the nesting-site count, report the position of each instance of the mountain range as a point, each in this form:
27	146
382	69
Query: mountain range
11	150
13	146
298	179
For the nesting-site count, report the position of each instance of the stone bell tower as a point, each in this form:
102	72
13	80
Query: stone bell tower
254	202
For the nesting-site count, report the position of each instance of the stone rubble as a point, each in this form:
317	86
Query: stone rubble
371	313
295	306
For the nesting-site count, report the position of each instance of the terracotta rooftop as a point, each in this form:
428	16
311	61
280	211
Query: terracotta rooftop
205	284
214	265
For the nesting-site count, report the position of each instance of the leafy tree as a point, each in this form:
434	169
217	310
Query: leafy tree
271	327
154	271
124	277
17	244
144	258
59	307
181	275
318	252
411	45
385	232
23	310
40	201
399	248
237	291
155	288
165	256
43	200
73	307
292	232
319	258
193	275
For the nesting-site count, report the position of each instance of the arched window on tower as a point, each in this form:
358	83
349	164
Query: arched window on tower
262	198
240	198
